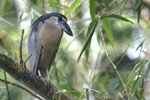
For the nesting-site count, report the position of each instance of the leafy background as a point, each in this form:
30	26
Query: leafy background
103	29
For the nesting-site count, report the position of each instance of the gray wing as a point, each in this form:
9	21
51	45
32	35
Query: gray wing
34	48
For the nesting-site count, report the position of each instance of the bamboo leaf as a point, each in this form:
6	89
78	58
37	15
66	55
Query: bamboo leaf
87	94
119	17
81	96
139	11
123	6
92	8
108	30
5	7
137	4
73	7
89	35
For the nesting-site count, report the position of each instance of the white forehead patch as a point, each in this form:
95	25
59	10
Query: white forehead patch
53	20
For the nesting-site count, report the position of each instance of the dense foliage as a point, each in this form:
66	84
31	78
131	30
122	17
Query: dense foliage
106	59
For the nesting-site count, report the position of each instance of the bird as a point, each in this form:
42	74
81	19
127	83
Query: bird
43	41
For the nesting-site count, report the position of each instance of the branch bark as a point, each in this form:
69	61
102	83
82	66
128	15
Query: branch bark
32	81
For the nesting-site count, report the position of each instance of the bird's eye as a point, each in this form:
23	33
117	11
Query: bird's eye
62	18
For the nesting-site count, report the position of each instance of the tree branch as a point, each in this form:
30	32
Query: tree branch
32	81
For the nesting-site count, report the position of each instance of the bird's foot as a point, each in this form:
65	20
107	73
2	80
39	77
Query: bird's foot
43	79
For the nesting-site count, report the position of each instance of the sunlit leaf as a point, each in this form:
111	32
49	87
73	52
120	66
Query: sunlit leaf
108	30
5	7
21	15
38	2
92	8
106	2
81	96
73	7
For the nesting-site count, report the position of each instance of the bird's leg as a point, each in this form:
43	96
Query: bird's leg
51	90
40	76
48	74
39	73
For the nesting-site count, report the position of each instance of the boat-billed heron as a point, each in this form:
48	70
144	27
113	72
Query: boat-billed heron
43	41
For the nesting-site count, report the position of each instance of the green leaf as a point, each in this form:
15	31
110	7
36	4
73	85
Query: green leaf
92	24
92	8
124	54
5	7
147	70
139	11
123	7
135	77
21	15
119	94
73	7
87	94
89	35
106	2
136	83
139	96
81	96
120	3
108	30
137	66
69	88
119	17
140	45
137	4
38	2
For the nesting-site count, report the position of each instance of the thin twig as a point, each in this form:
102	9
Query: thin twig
20	48
111	60
27	59
43	6
56	73
23	88
6	86
24	63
